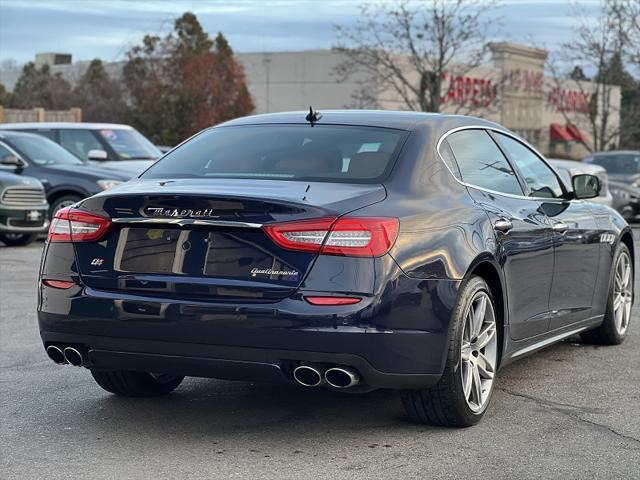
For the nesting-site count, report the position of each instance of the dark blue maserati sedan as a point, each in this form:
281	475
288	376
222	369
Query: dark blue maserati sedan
354	250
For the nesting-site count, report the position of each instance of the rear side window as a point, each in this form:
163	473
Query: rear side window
481	162
286	152
79	142
50	134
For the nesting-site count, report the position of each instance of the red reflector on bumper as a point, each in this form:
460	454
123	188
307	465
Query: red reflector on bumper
332	300
63	284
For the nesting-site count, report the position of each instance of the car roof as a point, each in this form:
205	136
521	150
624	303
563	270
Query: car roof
12	133
66	125
615	152
403	120
576	166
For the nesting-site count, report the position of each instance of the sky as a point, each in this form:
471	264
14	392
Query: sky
108	28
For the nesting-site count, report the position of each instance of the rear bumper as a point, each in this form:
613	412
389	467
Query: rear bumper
229	363
396	342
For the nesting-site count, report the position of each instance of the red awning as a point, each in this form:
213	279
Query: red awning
576	134
559	134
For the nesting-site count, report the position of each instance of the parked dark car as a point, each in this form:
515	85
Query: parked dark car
24	211
66	179
108	145
626	200
354	251
623	166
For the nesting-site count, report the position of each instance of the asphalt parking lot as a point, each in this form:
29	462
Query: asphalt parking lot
571	411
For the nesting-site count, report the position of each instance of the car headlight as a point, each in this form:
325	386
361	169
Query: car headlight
107	184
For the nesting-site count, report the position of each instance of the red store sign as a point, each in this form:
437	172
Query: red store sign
479	92
563	100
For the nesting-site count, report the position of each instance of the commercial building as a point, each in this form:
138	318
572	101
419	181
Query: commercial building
511	89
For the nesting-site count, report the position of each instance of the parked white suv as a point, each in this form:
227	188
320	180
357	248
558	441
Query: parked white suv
109	144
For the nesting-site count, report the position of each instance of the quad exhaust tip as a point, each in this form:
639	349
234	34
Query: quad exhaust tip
73	356
56	354
309	375
342	377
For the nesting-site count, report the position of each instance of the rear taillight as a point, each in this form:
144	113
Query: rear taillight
61	284
73	225
332	301
347	236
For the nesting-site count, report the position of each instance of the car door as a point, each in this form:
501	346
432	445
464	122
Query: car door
522	230
576	235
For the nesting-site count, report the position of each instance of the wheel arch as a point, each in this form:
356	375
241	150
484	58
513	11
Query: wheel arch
53	195
486	267
627	238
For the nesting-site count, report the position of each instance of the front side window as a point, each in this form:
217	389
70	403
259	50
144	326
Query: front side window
79	142
540	178
129	144
481	162
4	152
50	134
285	152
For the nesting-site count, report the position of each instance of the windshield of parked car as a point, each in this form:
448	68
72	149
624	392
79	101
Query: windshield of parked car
130	144
43	151
628	163
287	152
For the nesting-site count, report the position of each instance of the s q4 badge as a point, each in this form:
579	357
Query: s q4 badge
97	262
607	238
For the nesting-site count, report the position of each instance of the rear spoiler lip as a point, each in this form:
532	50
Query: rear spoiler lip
182	222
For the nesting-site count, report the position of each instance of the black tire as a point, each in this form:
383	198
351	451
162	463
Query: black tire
17	239
444	404
607	333
136	384
61	202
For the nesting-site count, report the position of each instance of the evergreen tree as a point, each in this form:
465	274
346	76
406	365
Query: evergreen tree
37	87
183	83
5	97
99	96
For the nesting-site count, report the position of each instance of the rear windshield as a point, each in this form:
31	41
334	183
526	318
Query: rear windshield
286	152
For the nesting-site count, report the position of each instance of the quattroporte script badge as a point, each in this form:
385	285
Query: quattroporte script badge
269	271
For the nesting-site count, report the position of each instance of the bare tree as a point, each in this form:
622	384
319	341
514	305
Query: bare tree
599	45
629	13
407	48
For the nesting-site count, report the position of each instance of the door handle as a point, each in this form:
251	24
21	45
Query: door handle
502	225
560	227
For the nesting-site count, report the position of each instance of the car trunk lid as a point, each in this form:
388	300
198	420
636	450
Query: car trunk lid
203	238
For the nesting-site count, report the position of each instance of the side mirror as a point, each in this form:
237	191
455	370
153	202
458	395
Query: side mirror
97	155
585	186
12	160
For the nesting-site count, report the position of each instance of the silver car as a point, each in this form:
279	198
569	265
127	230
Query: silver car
569	168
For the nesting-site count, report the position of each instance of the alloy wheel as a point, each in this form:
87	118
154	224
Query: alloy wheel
478	351
622	293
